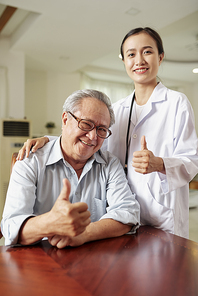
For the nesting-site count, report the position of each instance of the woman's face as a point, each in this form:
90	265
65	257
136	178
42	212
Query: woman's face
141	58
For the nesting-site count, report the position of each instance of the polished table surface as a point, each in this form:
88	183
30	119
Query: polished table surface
151	262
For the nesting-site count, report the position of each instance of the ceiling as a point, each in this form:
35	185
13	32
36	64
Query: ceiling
85	35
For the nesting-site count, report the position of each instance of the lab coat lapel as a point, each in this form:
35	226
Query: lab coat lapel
158	95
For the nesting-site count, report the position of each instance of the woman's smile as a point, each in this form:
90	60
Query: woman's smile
140	70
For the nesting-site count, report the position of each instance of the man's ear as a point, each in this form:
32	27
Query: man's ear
64	118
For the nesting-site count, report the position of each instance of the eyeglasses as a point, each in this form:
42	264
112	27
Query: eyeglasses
87	125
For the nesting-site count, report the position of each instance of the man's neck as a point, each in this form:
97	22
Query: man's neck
77	165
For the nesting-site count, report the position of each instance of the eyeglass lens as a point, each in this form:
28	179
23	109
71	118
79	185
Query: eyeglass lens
102	132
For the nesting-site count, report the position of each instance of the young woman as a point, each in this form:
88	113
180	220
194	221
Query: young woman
154	137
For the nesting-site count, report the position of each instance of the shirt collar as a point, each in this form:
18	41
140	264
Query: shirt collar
98	157
157	95
127	101
55	153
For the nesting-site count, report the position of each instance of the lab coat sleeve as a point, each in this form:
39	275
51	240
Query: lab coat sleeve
183	165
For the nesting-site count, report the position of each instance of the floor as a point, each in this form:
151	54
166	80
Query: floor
193	224
193	217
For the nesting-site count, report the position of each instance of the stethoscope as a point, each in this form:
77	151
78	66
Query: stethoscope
127	137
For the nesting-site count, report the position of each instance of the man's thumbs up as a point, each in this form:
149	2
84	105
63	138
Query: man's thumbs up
65	192
143	143
68	219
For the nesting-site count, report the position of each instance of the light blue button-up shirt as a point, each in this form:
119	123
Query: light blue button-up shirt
36	183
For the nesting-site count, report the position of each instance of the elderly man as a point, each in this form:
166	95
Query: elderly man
93	183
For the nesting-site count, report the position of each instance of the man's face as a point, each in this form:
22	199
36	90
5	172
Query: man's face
78	145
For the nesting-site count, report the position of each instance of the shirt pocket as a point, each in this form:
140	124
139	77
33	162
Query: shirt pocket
98	209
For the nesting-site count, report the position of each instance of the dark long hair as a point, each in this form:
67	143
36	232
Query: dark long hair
146	30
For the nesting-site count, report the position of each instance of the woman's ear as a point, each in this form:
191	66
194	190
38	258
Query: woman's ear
161	57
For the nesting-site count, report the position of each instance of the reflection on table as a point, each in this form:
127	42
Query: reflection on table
152	262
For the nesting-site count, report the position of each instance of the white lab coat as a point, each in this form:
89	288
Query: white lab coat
167	121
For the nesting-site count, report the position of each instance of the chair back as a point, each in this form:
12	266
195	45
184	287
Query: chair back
193	185
13	160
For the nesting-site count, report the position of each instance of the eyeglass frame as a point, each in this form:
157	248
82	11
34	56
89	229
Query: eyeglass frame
94	125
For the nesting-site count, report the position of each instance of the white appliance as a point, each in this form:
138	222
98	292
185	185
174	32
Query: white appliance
13	133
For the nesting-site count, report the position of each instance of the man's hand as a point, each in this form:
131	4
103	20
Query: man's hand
101	229
64	219
65	241
59	241
145	161
31	144
67	218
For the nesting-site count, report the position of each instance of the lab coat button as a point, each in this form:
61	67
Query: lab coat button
134	136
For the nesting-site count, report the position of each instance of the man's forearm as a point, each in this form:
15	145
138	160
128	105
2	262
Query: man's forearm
33	230
101	229
72	221
105	228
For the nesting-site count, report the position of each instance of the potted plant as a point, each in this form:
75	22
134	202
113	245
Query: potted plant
50	126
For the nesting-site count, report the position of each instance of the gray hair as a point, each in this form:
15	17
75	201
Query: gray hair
73	102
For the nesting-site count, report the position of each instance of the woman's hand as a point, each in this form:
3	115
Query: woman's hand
33	145
145	161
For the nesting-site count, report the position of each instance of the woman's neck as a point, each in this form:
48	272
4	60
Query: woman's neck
143	93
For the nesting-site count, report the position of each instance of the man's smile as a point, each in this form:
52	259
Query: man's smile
86	143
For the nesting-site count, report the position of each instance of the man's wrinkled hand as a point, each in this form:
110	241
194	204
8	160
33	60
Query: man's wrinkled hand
67	219
65	241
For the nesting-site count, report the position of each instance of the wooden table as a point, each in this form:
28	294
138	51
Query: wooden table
151	262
